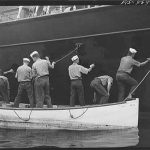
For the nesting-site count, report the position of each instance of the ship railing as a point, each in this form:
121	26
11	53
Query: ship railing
47	10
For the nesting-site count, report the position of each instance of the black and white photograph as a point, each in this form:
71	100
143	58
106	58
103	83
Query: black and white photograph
75	74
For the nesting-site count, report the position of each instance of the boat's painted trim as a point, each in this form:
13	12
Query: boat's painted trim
66	108
76	37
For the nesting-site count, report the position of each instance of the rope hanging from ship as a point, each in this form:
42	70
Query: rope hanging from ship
74	50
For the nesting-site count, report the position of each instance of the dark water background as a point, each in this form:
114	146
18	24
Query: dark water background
138	137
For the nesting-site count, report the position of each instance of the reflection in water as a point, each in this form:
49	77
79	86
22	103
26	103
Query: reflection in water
66	138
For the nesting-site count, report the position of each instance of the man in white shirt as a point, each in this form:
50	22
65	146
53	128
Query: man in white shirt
75	71
101	86
24	76
40	70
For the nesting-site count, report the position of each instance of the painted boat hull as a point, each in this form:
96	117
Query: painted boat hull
108	116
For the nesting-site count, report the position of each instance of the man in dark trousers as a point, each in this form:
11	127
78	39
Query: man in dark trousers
75	71
101	86
13	83
40	70
123	75
24	76
4	87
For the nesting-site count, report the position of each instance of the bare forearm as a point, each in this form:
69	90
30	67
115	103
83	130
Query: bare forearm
91	67
9	71
49	63
144	63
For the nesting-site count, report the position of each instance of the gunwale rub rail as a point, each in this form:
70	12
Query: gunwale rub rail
67	108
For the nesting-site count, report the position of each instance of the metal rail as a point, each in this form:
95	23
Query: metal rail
76	37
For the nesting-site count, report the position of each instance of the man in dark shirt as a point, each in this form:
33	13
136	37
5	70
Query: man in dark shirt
10	74
123	76
4	87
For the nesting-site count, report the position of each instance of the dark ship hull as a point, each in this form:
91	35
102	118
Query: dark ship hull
106	34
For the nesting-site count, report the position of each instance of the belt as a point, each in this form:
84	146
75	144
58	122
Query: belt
24	81
47	75
76	79
123	72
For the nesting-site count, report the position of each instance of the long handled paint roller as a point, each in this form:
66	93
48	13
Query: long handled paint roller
138	85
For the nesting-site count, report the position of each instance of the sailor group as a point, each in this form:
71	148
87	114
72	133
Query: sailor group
35	81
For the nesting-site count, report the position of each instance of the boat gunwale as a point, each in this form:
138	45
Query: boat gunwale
69	108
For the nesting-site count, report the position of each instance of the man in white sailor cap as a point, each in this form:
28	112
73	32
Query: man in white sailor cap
75	71
40	70
123	75
24	76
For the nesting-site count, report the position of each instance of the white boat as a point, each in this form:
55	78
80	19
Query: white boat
91	117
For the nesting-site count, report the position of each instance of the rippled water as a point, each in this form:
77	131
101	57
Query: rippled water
138	137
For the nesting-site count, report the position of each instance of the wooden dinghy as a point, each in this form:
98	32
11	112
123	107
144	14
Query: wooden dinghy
91	117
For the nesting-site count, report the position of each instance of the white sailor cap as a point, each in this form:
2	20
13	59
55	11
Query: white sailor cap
132	50
33	53
26	59
74	58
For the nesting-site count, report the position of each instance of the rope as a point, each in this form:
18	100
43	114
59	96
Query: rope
22	118
77	46
79	115
138	85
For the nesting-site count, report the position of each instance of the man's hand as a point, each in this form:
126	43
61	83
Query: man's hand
47	58
53	63
148	59
92	66
9	71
